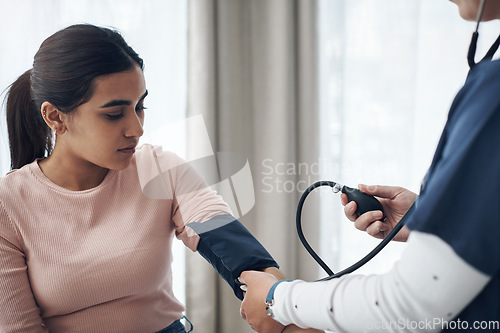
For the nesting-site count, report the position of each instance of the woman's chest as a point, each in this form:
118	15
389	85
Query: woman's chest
92	254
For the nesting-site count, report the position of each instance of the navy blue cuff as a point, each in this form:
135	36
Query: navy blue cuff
231	249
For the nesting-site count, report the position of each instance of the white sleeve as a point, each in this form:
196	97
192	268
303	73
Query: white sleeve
429	286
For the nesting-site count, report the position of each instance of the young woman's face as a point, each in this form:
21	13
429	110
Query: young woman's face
105	130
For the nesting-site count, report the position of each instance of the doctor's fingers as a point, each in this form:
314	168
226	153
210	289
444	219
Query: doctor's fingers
377	229
365	220
242	312
349	208
253	320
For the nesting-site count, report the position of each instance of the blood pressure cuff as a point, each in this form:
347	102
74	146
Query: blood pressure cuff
230	248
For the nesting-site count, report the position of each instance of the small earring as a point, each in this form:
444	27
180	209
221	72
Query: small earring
45	114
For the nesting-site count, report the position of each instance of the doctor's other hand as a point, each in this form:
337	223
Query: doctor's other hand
253	307
394	199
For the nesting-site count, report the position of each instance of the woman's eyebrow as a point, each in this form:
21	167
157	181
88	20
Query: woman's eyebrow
119	102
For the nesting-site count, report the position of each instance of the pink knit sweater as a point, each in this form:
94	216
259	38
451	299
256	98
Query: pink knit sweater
97	260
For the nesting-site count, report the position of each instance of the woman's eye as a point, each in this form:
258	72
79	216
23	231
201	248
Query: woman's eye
140	108
114	116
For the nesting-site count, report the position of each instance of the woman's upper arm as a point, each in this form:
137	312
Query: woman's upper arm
18	309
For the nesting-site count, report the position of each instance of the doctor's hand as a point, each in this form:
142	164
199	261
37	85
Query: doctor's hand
253	307
395	201
295	329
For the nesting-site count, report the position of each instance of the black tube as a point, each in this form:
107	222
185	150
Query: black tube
360	263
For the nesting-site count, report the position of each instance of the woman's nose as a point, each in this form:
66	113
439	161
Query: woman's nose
134	126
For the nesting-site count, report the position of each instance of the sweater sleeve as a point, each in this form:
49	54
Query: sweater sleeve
424	292
205	223
203	220
18	310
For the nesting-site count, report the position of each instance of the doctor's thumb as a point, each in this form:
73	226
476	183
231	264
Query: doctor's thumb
380	191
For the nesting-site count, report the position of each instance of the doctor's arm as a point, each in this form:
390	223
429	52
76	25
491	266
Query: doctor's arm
429	282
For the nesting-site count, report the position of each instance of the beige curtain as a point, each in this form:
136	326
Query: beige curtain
253	76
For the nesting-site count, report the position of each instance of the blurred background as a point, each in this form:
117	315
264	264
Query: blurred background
351	91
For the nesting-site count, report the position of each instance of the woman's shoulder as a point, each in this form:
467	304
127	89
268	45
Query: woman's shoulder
147	150
15	179
148	156
156	166
13	188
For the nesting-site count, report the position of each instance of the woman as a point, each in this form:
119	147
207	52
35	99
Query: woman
82	249
448	279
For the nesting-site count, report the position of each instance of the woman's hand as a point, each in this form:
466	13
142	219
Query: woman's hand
395	201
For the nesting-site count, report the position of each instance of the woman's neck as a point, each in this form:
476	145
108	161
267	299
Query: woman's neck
72	175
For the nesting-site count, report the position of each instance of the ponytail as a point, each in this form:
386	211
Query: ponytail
63	73
29	136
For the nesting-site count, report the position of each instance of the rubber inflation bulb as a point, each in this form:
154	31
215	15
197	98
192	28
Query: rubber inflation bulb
364	202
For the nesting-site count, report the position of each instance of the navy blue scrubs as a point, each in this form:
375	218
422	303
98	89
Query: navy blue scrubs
460	197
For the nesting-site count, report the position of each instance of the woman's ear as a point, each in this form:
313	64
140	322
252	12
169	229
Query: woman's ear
53	118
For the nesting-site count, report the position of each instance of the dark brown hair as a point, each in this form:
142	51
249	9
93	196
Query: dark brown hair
64	69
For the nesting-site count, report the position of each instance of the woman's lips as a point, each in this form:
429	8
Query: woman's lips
128	150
